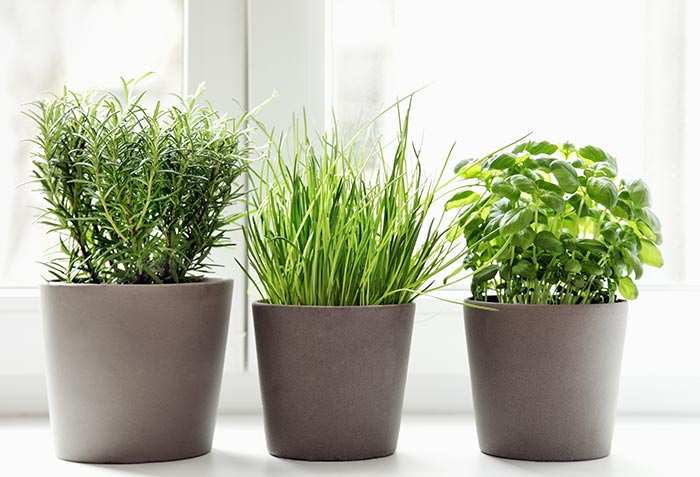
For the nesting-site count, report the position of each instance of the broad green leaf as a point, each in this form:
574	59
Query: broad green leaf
541	163
565	175
554	202
590	245
461	199
487	273
646	231
504	161
546	240
639	193
523	183
504	189
622	210
464	163
633	262
596	154
534	147
572	266
650	219
650	255
550	187
469	171
592	268
515	220
524	268
603	191
524	238
627	288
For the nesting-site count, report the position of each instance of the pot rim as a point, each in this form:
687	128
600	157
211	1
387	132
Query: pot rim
203	282
262	303
496	304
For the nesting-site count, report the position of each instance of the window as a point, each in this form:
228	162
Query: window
622	75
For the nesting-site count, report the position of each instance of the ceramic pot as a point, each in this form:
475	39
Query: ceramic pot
545	378
332	378
134	371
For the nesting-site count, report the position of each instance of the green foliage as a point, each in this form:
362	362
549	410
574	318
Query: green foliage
331	225
552	224
136	196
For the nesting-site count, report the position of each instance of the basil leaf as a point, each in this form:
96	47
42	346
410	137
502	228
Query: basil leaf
565	175
515	220
603	191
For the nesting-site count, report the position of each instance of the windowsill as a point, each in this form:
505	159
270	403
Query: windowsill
428	445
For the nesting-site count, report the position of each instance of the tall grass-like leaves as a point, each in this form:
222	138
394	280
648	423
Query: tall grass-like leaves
136	196
334	226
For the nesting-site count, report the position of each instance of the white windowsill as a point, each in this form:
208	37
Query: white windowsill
428	445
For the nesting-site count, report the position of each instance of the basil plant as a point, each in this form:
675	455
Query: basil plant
553	224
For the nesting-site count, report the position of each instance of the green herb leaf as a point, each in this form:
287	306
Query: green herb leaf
546	240
503	161
565	175
603	191
523	183
515	220
524	238
525	269
639	193
461	199
596	154
572	266
555	202
534	147
650	255
487	273
504	189
627	288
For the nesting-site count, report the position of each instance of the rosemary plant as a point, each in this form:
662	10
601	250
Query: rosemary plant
336	224
136	196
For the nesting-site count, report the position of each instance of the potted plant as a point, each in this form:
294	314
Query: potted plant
556	242
134	333
340	244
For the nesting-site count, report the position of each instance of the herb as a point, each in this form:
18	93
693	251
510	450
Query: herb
552	224
135	195
325	229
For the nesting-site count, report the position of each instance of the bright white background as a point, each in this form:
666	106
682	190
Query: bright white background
619	74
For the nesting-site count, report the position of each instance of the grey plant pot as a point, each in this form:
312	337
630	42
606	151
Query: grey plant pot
134	371
545	378
332	378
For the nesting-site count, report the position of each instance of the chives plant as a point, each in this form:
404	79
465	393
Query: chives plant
333	226
136	196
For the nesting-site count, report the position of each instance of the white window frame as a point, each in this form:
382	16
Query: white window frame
249	49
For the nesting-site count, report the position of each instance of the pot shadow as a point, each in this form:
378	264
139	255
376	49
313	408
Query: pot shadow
396	464
223	463
215	463
611	465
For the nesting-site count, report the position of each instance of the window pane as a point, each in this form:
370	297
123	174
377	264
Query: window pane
497	70
83	44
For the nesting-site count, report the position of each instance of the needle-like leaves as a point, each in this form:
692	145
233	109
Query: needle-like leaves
136	196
